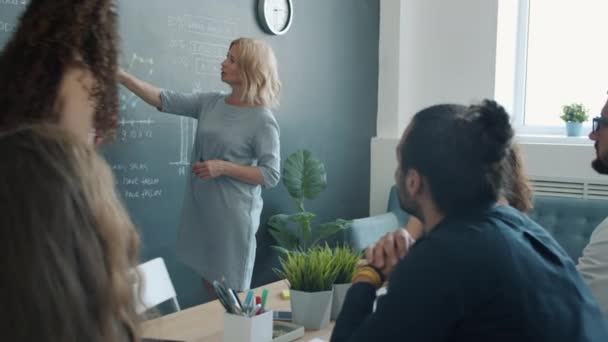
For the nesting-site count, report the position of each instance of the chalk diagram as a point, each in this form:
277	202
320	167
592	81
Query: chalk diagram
135	128
187	132
128	100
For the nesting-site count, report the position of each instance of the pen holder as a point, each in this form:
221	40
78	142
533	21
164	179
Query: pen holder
248	329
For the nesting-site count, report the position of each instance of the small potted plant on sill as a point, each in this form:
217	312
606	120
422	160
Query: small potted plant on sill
311	275
345	262
574	115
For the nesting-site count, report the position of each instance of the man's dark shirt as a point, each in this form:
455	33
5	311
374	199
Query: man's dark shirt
495	276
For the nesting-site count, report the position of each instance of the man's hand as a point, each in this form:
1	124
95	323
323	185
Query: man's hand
386	252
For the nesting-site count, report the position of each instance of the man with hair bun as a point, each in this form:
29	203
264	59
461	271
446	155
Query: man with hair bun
481	271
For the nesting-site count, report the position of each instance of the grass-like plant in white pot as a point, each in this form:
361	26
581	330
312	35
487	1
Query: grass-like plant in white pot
311	275
345	262
574	115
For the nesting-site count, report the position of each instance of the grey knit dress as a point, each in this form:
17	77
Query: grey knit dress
219	219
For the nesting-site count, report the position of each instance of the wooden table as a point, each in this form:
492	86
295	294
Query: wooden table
205	322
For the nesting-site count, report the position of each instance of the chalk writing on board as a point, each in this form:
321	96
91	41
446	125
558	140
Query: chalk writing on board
143	68
130	167
14	2
126	134
135	129
183	61
135	183
124	122
7	27
207	49
200	57
203	26
177	44
207	65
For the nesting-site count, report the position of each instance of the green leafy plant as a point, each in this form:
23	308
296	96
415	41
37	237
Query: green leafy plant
575	112
309	271
345	262
304	177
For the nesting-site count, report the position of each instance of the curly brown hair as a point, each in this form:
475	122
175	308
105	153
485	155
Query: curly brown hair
517	188
68	245
53	37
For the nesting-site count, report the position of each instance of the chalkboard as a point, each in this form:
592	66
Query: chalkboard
328	64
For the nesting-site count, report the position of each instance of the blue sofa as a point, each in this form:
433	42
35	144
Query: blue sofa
570	220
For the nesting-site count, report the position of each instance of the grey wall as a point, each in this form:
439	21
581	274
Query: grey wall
328	64
329	68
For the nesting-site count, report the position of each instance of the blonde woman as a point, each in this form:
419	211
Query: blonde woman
236	152
68	245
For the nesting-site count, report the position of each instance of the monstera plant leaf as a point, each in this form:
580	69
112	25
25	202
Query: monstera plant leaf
330	228
289	239
285	239
304	176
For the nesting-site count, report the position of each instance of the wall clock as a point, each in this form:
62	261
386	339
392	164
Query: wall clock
275	16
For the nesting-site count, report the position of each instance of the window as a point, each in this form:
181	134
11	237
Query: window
550	53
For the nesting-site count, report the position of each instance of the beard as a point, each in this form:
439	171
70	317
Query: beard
409	205
600	163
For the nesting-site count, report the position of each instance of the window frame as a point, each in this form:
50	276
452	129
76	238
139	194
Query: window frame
530	132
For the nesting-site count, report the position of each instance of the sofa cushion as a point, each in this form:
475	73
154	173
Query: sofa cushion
570	220
363	232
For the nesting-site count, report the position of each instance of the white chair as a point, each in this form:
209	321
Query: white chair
156	286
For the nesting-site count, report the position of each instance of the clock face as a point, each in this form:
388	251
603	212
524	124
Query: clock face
276	15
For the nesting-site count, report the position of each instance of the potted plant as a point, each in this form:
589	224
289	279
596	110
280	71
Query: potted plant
304	177
574	115
345	263
310	275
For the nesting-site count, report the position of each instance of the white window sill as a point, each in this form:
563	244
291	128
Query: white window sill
553	139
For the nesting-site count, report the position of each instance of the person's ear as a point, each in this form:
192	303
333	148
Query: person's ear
413	182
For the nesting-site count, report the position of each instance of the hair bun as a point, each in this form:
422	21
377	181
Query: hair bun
495	130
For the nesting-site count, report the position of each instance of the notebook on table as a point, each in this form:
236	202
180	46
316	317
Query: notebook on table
285	331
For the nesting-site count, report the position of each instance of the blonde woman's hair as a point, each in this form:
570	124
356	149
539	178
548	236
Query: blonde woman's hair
259	72
67	242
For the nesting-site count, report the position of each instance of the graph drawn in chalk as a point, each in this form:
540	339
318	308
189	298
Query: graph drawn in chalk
187	128
187	131
137	66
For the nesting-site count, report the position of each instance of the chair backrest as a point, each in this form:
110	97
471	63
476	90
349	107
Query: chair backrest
155	286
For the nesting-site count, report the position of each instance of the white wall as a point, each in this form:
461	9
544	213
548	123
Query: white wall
439	51
444	51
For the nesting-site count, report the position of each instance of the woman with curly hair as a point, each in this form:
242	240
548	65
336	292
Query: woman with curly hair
68	245
60	66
